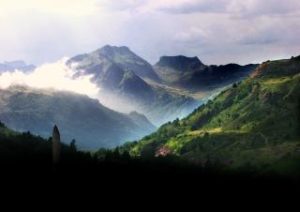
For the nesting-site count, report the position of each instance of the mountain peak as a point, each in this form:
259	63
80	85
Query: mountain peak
111	51
115	47
128	60
180	63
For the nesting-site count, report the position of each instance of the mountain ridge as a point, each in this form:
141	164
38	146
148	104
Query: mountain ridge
192	74
78	116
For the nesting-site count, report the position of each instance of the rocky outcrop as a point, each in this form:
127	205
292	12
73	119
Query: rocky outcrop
56	145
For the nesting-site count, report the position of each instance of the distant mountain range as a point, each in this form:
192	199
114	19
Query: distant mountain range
78	116
16	65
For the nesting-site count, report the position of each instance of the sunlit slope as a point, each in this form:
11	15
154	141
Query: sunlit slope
253	123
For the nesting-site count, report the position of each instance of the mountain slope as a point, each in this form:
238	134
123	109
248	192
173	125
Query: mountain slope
191	73
253	123
78	116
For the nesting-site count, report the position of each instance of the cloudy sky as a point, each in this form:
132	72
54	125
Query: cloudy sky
217	31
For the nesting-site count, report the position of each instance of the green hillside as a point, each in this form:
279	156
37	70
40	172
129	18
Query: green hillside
255	123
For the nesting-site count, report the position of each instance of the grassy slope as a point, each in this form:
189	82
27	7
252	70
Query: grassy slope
253	124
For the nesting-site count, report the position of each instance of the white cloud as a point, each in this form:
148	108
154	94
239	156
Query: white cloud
236	7
193	34
56	76
58	7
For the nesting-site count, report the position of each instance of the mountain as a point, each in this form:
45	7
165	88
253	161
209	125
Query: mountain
16	65
172	69
218	76
128	60
181	63
252	124
124	79
78	117
171	89
121	57
109	67
191	73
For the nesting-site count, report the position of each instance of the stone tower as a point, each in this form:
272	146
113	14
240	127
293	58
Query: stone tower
56	146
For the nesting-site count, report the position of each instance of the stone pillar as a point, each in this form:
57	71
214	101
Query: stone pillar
56	145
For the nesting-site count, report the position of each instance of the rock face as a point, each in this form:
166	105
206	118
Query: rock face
56	145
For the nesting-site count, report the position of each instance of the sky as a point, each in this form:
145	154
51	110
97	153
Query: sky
217	31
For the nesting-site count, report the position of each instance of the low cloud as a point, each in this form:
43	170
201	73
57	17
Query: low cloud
233	7
56	76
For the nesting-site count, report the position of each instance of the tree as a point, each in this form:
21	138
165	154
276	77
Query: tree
176	122
116	154
2	125
126	156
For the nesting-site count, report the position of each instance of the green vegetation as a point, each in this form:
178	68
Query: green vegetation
253	124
